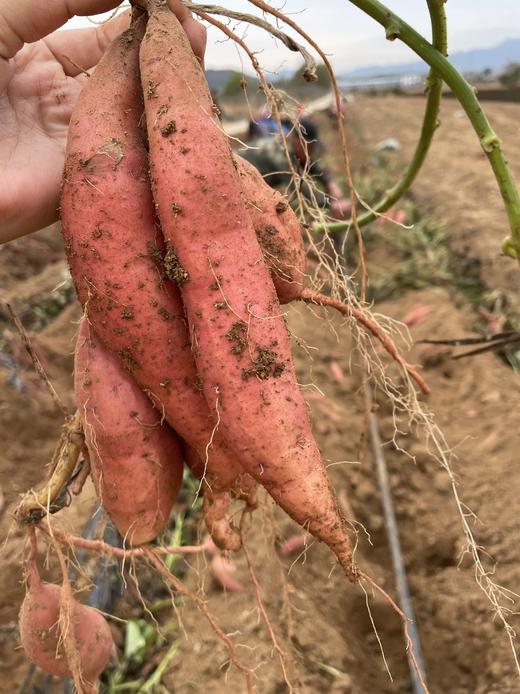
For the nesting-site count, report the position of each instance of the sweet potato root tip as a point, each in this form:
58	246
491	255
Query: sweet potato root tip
215	510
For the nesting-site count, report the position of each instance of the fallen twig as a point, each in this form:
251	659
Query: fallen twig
35	360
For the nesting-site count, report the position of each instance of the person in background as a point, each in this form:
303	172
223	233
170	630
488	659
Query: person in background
267	154
332	111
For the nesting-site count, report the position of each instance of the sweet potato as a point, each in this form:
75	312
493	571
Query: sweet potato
215	503
136	460
240	342
115	253
282	246
277	230
42	637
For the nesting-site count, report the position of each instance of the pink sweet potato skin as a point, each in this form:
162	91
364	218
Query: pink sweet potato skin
277	230
215	506
40	632
115	252
241	344
136	461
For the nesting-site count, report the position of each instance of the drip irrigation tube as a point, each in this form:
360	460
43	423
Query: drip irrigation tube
392	533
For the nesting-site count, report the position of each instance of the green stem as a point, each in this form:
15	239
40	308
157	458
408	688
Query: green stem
430	123
396	28
154	680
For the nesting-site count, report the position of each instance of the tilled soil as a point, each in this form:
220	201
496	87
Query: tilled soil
322	622
456	182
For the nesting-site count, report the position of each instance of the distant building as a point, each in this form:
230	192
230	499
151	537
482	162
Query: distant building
382	82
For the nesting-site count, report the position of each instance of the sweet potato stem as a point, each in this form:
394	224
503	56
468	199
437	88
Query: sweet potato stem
397	28
35	504
430	122
310	64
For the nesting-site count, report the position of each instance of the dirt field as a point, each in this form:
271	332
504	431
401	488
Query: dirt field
326	631
457	183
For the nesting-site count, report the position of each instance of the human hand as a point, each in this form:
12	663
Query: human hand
41	76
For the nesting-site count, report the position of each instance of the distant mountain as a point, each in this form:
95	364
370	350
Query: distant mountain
228	83
218	78
476	60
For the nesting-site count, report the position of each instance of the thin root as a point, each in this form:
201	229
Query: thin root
261	607
35	360
312	297
100	547
405	621
153	560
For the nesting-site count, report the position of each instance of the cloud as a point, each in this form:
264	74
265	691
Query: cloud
354	40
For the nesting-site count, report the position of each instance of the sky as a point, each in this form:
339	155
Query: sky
351	39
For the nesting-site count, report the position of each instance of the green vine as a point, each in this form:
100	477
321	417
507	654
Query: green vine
429	126
396	27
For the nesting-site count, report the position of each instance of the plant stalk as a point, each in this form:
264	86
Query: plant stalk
397	28
430	123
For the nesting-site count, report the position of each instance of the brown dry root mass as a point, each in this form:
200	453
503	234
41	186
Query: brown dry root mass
53	496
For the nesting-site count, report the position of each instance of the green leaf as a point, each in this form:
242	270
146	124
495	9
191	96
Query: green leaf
135	641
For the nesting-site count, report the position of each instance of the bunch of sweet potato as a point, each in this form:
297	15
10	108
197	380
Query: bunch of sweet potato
181	255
